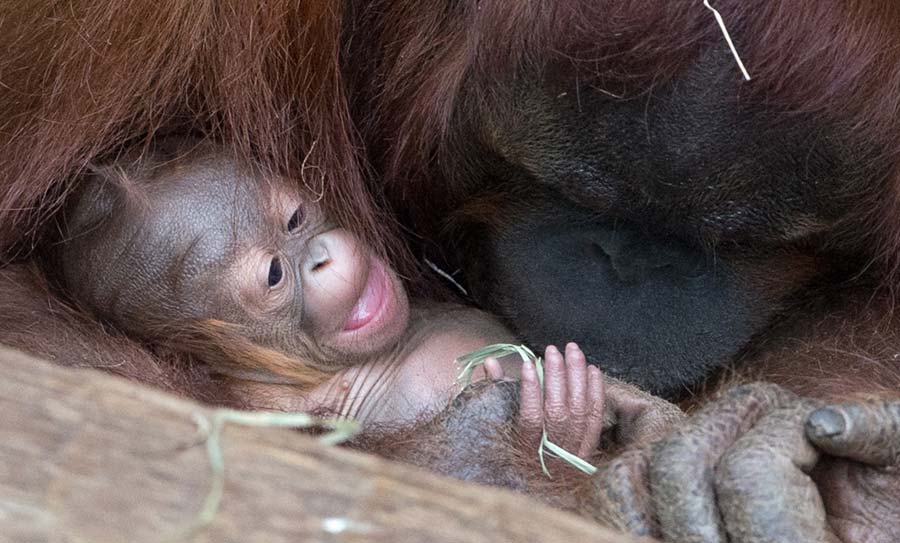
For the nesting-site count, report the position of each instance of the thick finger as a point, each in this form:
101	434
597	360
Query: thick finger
619	496
597	406
493	368
682	464
555	394
762	486
865	431
531	407
640	418
576	388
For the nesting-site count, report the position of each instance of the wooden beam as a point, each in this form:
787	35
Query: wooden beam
85	456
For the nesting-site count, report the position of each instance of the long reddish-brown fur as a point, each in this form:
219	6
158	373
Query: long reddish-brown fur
80	79
83	79
441	60
33	318
441	63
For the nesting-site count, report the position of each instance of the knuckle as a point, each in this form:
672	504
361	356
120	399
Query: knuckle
892	408
739	467
676	444
761	390
528	412
555	409
579	412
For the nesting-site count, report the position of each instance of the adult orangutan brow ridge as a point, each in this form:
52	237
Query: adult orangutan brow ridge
703	222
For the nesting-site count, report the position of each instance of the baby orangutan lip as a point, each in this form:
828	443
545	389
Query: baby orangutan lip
374	298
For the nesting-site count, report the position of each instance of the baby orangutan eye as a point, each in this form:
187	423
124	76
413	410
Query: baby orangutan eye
295	221
275	272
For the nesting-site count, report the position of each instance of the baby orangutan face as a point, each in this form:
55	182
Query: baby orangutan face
187	236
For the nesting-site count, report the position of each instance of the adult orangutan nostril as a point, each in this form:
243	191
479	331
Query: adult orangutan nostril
635	256
630	262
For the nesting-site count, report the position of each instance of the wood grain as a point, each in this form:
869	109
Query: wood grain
87	457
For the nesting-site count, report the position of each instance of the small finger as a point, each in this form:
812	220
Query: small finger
865	431
597	401
576	386
531	408
555	393
493	368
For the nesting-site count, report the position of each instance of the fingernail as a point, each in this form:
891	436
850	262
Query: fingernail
826	422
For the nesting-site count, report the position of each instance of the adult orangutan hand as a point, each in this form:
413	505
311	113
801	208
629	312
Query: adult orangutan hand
759	465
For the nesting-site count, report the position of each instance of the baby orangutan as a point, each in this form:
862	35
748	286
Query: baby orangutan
183	248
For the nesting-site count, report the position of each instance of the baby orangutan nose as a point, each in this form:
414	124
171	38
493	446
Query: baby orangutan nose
319	258
352	300
333	271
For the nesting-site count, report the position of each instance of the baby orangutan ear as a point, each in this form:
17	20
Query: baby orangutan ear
79	229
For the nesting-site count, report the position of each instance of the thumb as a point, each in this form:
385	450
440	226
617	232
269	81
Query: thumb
866	431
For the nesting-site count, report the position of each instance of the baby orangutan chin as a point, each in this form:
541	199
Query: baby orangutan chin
185	249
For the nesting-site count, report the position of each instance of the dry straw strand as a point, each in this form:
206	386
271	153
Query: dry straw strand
498	350
731	46
341	429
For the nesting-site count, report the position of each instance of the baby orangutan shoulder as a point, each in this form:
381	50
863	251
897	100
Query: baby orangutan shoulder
186	248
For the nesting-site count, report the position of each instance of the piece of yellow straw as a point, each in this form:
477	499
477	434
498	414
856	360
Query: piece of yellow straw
341	429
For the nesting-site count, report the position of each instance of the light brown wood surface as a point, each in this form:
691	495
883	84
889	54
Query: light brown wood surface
87	457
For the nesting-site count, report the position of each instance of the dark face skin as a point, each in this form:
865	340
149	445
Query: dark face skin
191	238
647	307
645	227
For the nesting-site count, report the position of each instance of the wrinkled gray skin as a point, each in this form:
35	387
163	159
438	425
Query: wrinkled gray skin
757	465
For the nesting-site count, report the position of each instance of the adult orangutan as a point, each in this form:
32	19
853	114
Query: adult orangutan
87	79
693	207
705	221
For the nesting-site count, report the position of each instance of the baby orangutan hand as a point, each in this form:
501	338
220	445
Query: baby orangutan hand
570	406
